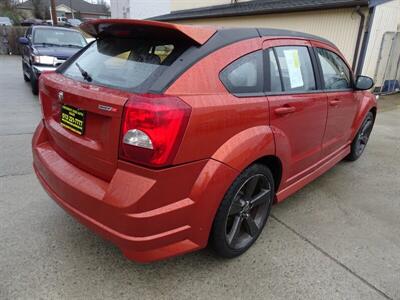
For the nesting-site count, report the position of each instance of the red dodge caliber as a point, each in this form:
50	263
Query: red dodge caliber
163	138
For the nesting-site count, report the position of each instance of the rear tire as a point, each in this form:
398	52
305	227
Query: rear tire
26	78
361	139
243	212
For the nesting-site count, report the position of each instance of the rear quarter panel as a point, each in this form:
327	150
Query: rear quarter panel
230	129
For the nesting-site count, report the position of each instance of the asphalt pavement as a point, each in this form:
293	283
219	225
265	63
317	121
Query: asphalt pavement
337	238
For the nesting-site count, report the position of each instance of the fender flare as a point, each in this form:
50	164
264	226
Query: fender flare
367	103
246	147
222	169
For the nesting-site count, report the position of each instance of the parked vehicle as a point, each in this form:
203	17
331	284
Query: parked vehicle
5	21
163	137
45	48
61	21
74	22
31	22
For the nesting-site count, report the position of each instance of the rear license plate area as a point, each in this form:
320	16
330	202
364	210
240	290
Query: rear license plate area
73	119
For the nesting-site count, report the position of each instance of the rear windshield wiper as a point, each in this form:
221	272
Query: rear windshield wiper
85	74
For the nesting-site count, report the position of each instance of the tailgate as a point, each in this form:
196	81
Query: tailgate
96	151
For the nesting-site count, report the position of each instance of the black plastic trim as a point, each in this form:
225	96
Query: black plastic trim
294	93
248	95
278	63
194	54
319	81
69	61
282	33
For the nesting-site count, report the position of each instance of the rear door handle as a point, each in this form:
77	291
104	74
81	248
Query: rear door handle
334	102
285	110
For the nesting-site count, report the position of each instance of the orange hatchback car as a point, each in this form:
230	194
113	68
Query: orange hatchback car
164	138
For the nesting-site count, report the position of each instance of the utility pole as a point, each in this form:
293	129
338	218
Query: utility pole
70	7
53	12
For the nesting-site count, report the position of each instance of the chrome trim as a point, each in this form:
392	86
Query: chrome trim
40	69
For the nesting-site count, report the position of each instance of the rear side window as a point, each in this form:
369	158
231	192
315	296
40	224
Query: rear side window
296	68
337	75
125	63
244	75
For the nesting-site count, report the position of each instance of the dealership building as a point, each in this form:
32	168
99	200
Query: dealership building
366	31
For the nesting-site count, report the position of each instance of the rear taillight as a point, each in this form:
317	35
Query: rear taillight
152	129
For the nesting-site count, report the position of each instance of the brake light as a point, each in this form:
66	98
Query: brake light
152	129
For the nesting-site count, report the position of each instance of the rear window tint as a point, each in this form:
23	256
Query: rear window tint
125	63
244	75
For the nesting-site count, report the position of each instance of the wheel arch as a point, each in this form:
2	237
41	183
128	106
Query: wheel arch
367	104
274	164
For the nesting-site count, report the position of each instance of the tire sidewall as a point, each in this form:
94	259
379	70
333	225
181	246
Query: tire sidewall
34	84
353	154
218	234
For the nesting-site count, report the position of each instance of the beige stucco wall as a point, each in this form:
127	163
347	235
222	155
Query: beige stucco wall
188	4
386	19
337	25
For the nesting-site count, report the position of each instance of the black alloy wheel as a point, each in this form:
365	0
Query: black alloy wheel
360	141
243	212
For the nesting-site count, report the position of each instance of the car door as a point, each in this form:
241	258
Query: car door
298	107
337	80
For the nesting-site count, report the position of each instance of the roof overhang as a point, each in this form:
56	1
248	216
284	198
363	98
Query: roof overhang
199	35
373	3
259	7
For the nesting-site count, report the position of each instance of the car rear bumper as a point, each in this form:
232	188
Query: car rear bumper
149	215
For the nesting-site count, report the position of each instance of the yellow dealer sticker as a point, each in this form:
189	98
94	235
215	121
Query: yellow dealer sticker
73	119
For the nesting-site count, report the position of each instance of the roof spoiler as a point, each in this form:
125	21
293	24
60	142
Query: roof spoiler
100	27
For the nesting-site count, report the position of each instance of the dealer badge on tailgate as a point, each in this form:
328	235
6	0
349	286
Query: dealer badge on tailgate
73	119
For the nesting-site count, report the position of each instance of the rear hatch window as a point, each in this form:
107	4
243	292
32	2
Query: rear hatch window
129	64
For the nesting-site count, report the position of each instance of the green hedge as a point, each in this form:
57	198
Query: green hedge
11	34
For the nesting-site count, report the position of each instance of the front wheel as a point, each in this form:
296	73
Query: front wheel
243	212
26	78
34	84
361	139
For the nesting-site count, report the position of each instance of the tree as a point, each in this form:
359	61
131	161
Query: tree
39	8
8	8
105	6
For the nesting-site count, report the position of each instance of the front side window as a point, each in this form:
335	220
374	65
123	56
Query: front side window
337	75
296	68
124	63
244	75
51	36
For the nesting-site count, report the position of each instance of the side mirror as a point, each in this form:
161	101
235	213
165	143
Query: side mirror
23	40
364	83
